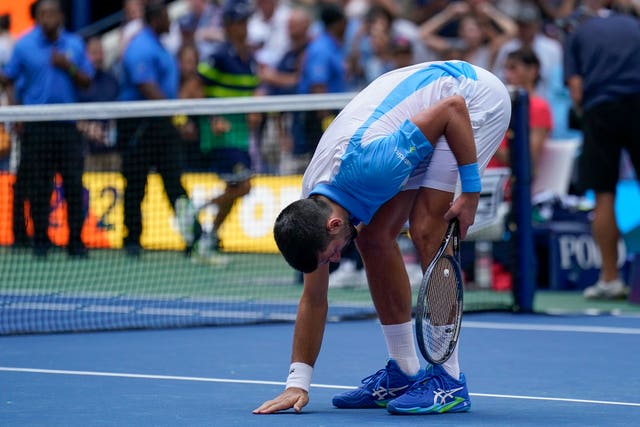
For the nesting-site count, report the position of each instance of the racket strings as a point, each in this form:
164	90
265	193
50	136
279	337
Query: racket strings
442	307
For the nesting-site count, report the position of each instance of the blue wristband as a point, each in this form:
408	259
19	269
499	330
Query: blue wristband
470	178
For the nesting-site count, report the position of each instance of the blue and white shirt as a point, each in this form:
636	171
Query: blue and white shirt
371	150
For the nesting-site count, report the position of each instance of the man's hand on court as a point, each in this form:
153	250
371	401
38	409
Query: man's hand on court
464	208
293	397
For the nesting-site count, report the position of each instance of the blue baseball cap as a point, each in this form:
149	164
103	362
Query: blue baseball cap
236	10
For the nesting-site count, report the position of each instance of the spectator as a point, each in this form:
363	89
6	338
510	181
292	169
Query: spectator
402	52
369	52
201	25
99	135
602	68
149	72
9	141
231	71
51	65
132	23
283	80
551	85
522	69
323	71
482	30
190	87
267	31
556	15
6	47
6	40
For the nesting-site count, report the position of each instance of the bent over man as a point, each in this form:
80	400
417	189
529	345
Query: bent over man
393	154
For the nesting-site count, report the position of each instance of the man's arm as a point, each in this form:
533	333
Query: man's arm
151	91
450	118
307	339
79	77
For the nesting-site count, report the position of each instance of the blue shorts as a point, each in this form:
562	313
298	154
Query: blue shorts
232	165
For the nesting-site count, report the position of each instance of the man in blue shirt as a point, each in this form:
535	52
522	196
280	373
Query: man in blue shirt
602	69
322	71
51	66
149	71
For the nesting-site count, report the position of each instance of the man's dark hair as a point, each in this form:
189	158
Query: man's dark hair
33	9
526	56
300	232
153	9
331	14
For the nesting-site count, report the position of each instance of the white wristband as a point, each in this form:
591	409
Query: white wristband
299	376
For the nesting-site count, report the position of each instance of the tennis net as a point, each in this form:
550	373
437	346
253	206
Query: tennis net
158	147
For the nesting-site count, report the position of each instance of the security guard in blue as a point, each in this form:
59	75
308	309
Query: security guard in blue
51	66
149	72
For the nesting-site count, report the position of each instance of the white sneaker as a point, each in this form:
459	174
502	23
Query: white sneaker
206	251
614	289
348	276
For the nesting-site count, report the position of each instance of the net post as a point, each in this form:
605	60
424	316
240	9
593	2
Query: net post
521	211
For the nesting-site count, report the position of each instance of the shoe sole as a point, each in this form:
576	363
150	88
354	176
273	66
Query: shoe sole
375	405
453	407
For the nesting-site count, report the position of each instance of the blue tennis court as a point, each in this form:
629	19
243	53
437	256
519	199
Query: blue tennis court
521	369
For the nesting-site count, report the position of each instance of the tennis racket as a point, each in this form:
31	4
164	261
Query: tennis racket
439	306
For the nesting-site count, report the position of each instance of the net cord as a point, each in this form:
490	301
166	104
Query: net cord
156	108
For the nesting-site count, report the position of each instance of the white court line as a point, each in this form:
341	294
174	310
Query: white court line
228	381
551	328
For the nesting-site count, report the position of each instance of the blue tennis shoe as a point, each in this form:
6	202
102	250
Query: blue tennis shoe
377	389
435	393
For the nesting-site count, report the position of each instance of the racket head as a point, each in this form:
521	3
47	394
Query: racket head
440	301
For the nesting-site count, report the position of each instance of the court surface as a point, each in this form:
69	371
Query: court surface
522	370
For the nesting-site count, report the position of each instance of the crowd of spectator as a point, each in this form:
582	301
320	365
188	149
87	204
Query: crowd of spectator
229	48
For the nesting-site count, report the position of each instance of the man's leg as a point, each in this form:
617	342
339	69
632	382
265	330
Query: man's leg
606	234
71	168
391	294
442	388
386	273
427	228
225	201
427	223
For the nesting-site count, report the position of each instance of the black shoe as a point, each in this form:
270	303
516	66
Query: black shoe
21	243
40	251
77	250
133	250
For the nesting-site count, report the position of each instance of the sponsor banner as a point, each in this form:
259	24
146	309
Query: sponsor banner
248	228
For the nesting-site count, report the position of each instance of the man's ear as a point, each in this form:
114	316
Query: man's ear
334	224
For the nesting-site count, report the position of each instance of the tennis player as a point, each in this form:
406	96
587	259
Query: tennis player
393	154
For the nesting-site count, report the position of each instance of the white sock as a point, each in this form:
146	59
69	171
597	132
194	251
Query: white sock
452	366
401	346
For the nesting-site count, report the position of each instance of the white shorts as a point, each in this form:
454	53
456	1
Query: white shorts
490	111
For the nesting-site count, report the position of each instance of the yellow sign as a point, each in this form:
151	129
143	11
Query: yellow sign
248	228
